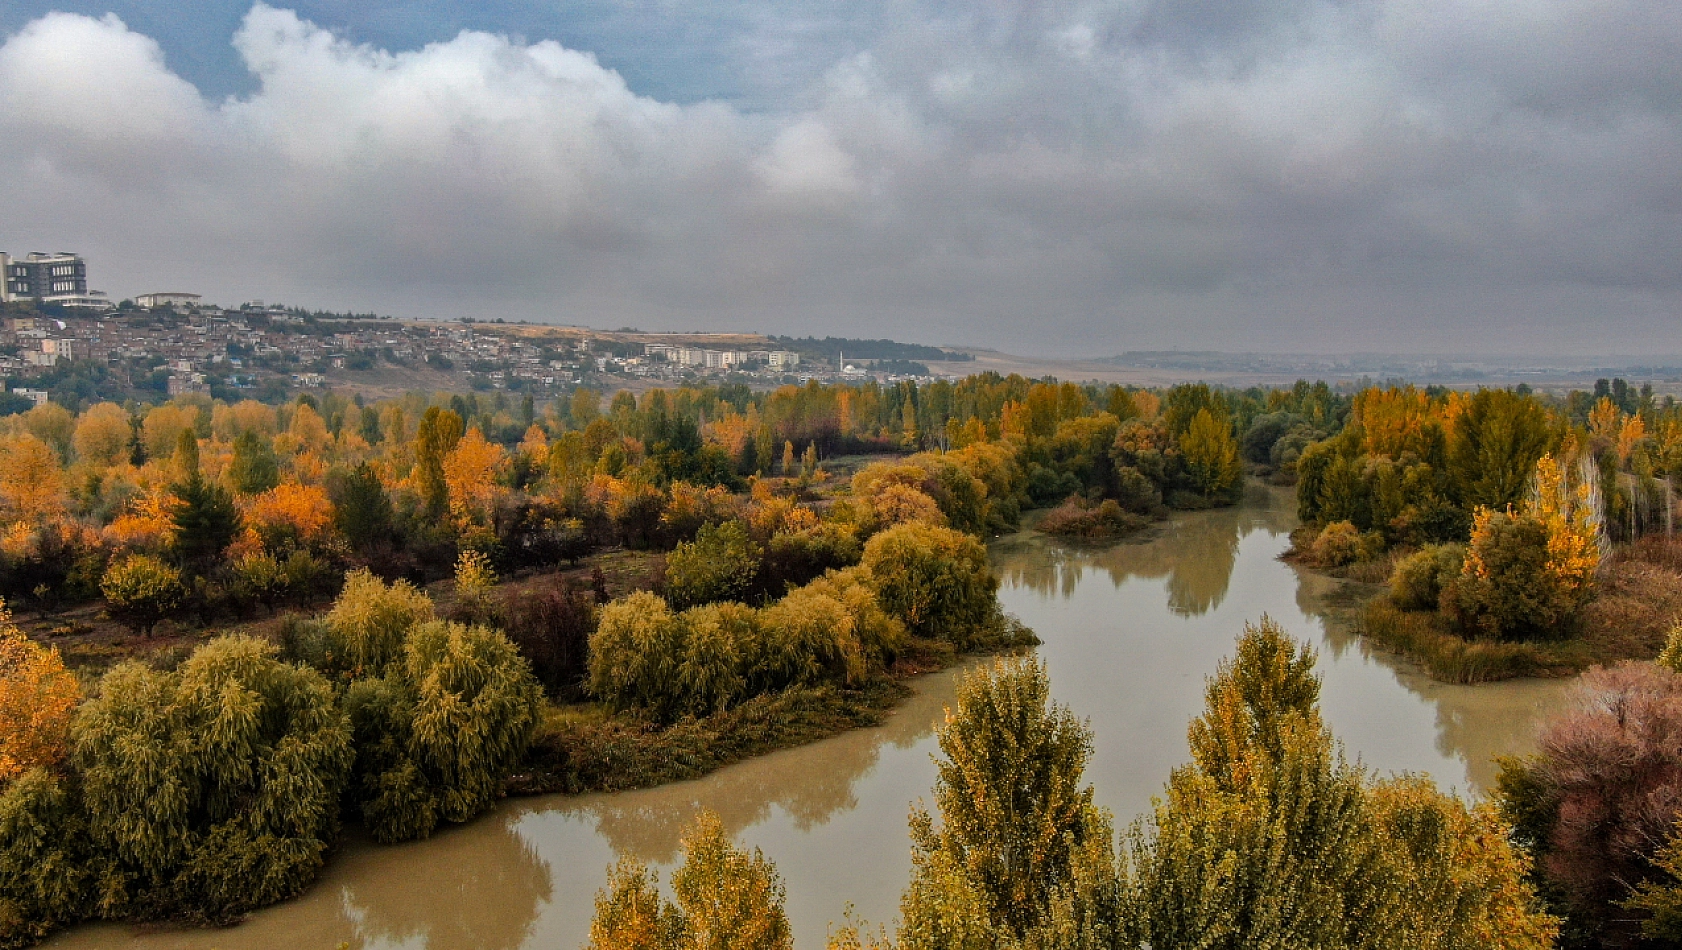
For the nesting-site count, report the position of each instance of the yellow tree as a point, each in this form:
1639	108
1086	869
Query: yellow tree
31	482
470	471
102	435
162	428
1577	544
37	697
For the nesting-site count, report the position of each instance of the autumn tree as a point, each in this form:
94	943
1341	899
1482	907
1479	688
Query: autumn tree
727	899
1211	456
37	697
102	435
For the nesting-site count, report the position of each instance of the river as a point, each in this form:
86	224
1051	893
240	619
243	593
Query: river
1130	633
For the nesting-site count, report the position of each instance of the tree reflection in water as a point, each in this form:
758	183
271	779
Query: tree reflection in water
472	888
1195	554
811	784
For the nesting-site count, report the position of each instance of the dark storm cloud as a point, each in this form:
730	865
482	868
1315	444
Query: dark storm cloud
1060	178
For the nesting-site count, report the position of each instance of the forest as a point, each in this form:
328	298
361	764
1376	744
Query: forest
236	627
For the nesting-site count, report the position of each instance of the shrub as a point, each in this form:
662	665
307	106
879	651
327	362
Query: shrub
1136	492
1076	518
1508	588
1599	798
46	875
438	734
808	637
37	698
212	789
882	635
635	654
552	630
141	590
1418	580
1337	544
717	638
796	558
935	580
475	579
720	564
369	621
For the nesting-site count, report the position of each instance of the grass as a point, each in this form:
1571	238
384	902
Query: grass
1639	598
1424	637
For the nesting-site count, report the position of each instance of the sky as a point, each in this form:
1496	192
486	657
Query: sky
1052	178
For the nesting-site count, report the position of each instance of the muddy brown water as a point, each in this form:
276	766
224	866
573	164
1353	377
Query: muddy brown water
1130	634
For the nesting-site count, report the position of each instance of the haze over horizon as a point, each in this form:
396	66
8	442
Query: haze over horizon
1055	179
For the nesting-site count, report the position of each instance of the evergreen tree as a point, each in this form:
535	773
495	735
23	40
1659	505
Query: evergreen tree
362	509
254	468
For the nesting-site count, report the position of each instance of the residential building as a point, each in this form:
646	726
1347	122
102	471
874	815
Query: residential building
38	276
782	359
168	299
61	349
37	396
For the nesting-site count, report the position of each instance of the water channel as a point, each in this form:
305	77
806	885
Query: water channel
1130	633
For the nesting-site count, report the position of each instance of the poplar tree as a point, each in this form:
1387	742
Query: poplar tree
254	468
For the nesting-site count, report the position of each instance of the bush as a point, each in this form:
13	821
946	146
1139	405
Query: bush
368	623
796	558
141	590
1508	589
635	654
552	630
1078	519
439	733
934	580
711	676
882	635
1337	544
808	637
46	876
213	789
1598	800
720	564
1419	579
1136	492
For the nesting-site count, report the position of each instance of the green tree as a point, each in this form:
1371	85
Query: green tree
254	468
1021	850
720	564
1264	840
362	509
206	518
1211	456
46	867
440	430
1495	445
212	789
439	733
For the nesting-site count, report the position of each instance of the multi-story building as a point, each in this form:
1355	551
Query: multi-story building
39	276
782	359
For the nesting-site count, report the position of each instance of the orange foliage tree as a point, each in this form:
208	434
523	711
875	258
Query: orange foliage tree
37	697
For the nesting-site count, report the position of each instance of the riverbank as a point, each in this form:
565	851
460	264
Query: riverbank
1637	600
581	749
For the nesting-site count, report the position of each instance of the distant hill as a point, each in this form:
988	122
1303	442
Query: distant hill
827	349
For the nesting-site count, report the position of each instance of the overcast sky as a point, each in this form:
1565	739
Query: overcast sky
1052	178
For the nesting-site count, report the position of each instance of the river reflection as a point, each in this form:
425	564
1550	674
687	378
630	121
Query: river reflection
1130	633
